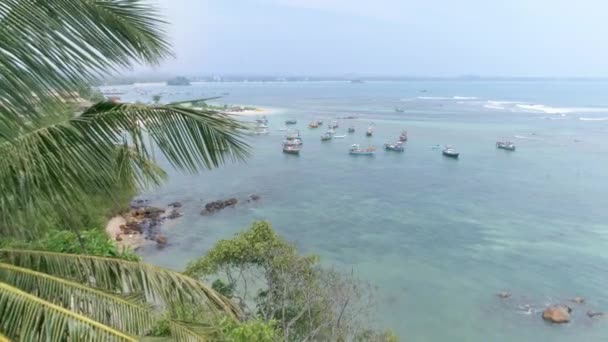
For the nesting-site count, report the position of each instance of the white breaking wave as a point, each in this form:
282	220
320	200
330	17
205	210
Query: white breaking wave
433	98
465	98
538	108
593	119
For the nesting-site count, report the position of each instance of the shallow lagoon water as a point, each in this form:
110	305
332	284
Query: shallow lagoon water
438	237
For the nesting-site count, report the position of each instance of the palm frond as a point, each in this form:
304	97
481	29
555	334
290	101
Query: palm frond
109	309
184	297
28	318
191	332
50	48
105	147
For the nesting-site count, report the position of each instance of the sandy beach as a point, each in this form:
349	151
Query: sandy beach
127	241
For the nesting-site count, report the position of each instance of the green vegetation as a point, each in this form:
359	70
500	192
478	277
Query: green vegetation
179	81
65	168
115	300
274	284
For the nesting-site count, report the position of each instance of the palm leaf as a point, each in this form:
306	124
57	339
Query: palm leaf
111	310
191	332
63	162
50	48
184	297
29	318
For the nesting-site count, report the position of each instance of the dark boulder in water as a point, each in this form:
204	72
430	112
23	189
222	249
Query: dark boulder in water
557	314
175	204
216	206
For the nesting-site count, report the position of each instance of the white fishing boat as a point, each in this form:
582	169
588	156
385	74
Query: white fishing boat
339	136
356	149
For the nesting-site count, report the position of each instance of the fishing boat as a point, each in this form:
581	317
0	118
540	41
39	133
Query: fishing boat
327	136
339	136
403	136
261	131
450	152
434	147
320	122
294	142
261	126
333	124
313	124
291	122
505	145
291	149
293	135
351	129
369	132
355	149
399	110
396	147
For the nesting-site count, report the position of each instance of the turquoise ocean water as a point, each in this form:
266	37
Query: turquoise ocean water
438	237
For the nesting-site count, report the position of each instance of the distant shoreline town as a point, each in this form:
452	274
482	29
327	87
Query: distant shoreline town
186	80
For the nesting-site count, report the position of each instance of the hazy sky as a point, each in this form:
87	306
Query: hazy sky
389	37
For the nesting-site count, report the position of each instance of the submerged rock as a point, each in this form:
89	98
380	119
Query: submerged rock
578	300
174	214
503	295
557	314
161	240
175	204
594	313
253	198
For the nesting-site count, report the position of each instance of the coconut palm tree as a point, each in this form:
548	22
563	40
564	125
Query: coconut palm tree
53	296
53	155
49	49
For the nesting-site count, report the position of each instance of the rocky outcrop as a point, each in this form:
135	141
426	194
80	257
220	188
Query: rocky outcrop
557	314
175	205
215	206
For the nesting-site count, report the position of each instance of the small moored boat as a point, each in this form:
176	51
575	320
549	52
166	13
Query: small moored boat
450	152
399	110
327	136
291	149
293	135
351	129
397	147
291	122
313	124
505	145
369	132
339	136
403	136
355	149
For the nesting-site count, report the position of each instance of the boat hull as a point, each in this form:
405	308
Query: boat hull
451	154
506	148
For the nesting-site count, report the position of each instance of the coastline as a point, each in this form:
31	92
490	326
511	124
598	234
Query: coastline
257	111
123	241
